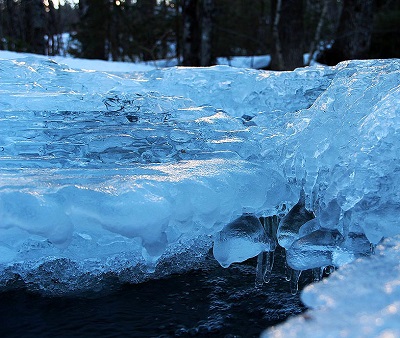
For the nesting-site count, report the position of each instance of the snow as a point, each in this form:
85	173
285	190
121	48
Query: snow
124	172
358	300
84	64
257	62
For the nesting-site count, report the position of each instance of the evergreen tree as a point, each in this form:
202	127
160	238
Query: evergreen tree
353	37
52	30
385	39
92	31
191	33
198	31
35	26
15	27
241	28
206	52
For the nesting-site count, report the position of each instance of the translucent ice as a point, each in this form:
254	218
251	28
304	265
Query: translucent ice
289	226
265	259
354	246
239	240
314	250
103	173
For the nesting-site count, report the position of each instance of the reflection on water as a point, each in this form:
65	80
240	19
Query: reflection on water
209	302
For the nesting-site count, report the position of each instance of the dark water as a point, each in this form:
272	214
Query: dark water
212	302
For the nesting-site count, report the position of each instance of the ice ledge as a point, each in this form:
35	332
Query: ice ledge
361	299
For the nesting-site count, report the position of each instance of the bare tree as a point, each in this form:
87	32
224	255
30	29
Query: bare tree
317	35
35	26
206	33
287	34
191	33
197	32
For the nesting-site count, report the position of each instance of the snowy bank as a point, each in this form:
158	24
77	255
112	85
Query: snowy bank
256	62
359	300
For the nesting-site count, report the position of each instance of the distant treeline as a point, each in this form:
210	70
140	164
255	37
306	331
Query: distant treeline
196	32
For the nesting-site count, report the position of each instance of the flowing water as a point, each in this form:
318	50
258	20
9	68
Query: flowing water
212	301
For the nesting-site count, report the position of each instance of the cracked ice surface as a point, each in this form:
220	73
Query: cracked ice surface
105	174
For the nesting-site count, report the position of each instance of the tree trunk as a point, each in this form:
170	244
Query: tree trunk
1	30
35	24
191	33
206	57
12	31
178	29
287	32
353	36
148	44
317	35
197	32
113	32
93	29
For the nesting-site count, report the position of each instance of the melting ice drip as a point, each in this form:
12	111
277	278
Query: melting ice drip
309	243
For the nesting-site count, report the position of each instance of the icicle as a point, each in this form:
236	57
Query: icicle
269	263
270	225
294	281
260	270
265	261
318	273
288	271
321	272
373	249
239	240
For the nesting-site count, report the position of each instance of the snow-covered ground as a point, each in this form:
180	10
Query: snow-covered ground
256	62
123	169
361	299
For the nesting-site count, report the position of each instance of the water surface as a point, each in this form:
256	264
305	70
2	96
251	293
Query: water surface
209	302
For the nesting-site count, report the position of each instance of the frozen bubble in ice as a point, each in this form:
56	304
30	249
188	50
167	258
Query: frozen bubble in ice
289	226
314	250
239	240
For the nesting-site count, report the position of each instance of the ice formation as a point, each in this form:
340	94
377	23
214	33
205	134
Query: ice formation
119	176
241	239
317	249
290	224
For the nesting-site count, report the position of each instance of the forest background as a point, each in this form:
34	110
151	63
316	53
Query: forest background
196	32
